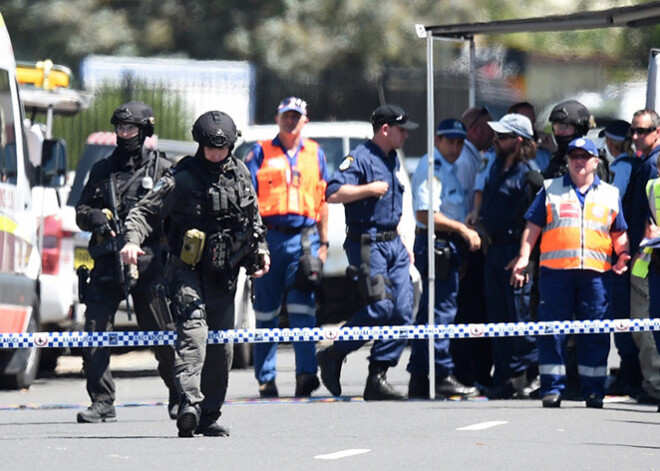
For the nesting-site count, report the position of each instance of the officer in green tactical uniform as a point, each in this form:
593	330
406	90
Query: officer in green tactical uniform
213	227
114	186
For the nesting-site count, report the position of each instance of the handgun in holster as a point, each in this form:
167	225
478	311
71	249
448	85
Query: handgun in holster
310	268
83	283
443	259
370	288
160	304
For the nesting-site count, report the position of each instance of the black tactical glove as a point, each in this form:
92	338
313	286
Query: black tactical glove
98	220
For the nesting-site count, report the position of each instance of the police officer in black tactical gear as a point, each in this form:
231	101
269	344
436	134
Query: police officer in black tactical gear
121	181
570	119
213	227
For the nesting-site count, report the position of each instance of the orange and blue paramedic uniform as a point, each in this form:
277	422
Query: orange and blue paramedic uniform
377	219
575	276
290	190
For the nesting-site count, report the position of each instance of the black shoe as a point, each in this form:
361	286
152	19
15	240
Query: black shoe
268	389
551	400
97	412
646	398
501	391
418	387
209	427
187	419
449	386
594	401
377	388
330	363
306	383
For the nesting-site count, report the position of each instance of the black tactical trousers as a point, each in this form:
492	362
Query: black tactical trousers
201	370
102	302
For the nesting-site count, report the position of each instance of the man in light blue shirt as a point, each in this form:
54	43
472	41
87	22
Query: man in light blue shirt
449	211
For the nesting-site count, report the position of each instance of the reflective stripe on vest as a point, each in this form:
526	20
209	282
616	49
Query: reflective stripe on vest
641	266
284	190
576	237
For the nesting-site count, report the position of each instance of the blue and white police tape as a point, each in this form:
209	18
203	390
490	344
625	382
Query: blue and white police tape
452	331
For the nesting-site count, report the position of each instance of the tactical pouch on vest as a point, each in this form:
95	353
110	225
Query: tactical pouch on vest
217	254
193	246
442	253
310	268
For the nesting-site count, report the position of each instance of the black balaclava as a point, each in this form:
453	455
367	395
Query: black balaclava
132	146
212	167
564	141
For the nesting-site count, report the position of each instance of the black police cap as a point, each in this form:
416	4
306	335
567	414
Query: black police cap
616	130
393	115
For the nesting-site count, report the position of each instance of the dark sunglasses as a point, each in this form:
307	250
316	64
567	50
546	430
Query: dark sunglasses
482	112
502	136
641	131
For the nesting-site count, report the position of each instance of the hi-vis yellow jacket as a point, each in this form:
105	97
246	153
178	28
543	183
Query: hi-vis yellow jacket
641	265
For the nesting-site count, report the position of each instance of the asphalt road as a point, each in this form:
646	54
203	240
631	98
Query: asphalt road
38	428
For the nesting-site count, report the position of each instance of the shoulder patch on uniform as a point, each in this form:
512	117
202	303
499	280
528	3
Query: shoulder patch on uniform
347	162
249	156
483	164
159	184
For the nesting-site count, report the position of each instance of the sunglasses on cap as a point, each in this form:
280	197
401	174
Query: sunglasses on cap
641	131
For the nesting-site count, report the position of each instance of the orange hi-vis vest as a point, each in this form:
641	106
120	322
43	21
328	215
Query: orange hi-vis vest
575	237
285	190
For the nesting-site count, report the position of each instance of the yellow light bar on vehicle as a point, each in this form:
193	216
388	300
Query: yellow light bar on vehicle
43	74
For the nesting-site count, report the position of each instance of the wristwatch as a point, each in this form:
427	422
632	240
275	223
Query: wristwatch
325	244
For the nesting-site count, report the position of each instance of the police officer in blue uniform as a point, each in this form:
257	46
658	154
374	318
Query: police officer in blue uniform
450	209
366	183
628	380
506	197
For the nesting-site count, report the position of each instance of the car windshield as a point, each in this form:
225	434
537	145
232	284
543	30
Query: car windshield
332	146
91	154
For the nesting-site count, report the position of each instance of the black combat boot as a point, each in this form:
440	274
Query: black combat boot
208	425
377	388
449	386
330	363
187	419
97	412
306	383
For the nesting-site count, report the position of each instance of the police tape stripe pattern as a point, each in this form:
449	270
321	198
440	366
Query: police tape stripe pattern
150	338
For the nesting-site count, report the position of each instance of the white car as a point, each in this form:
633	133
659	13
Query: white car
338	295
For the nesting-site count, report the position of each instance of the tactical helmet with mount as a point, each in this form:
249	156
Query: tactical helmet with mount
135	112
572	112
215	129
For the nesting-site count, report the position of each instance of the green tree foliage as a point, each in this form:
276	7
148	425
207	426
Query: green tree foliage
303	37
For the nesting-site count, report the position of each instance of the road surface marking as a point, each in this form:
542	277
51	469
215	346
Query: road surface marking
342	454
484	425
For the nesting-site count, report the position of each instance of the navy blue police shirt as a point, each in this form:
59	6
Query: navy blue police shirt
505	200
368	163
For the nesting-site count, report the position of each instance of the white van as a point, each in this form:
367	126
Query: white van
338	295
20	260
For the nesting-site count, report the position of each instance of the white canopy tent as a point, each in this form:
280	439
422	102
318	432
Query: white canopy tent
632	17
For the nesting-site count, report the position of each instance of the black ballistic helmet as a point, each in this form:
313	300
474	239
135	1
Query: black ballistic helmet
215	129
135	112
572	112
